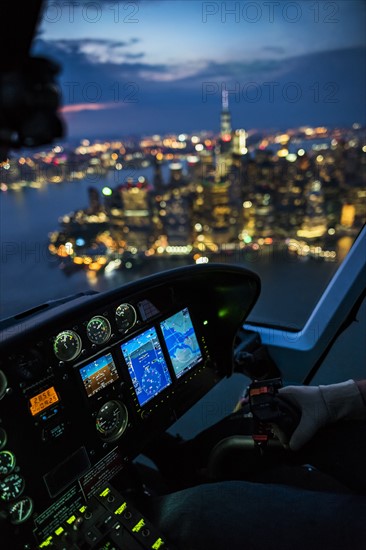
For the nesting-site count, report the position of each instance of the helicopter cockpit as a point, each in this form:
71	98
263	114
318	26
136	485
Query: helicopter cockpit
87	384
93	387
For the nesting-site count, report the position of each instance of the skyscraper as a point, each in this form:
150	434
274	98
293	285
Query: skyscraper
225	117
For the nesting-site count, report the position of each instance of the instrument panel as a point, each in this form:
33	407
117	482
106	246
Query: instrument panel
85	386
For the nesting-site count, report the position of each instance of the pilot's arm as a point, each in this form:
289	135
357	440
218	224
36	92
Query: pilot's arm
322	405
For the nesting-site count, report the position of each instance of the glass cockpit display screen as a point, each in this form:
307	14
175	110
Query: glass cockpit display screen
181	341
98	374
146	365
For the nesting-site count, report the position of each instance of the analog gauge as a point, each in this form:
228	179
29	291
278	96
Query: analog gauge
111	420
3	438
67	345
98	330
3	384
11	487
126	317
7	462
20	510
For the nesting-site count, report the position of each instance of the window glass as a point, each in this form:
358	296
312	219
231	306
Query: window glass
197	132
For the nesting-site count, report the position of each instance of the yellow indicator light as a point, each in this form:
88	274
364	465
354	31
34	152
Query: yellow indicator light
138	526
158	544
59	531
46	542
105	492
82	509
71	520
205	322
121	508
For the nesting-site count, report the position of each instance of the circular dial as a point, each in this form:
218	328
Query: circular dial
98	330
3	438
111	420
11	487
67	345
126	317
3	384
7	462
20	510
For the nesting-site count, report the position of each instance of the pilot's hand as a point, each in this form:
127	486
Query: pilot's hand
322	405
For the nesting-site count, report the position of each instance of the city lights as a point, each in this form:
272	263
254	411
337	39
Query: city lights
197	197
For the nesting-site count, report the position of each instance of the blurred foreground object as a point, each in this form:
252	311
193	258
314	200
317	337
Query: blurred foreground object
29	96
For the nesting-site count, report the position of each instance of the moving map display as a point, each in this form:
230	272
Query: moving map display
98	374
181	341
146	365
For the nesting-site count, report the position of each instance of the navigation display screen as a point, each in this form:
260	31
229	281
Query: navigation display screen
99	374
146	365
181	342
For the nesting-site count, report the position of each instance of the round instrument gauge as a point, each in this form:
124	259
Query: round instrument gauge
3	384
20	510
98	330
126	317
3	438
7	462
11	487
67	345
111	420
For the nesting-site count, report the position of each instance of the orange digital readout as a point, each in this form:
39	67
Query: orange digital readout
43	400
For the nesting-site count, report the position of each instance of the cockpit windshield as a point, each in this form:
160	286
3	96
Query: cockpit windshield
197	132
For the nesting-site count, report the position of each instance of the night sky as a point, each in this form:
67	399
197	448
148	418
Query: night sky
159	66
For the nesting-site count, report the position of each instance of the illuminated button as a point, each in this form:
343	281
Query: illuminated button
138	526
47	542
71	520
121	508
105	492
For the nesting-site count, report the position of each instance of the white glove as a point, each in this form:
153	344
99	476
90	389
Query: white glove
322	405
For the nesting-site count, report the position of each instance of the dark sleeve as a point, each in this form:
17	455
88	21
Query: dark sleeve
239	515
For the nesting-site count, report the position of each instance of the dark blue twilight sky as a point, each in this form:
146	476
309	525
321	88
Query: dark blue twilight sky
152	66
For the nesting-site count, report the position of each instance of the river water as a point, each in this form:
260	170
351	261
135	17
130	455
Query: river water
30	275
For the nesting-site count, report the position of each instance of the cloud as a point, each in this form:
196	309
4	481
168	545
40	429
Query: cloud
167	97
79	107
93	50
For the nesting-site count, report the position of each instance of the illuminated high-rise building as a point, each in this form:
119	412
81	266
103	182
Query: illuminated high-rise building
176	173
137	215
240	142
177	219
158	178
225	117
